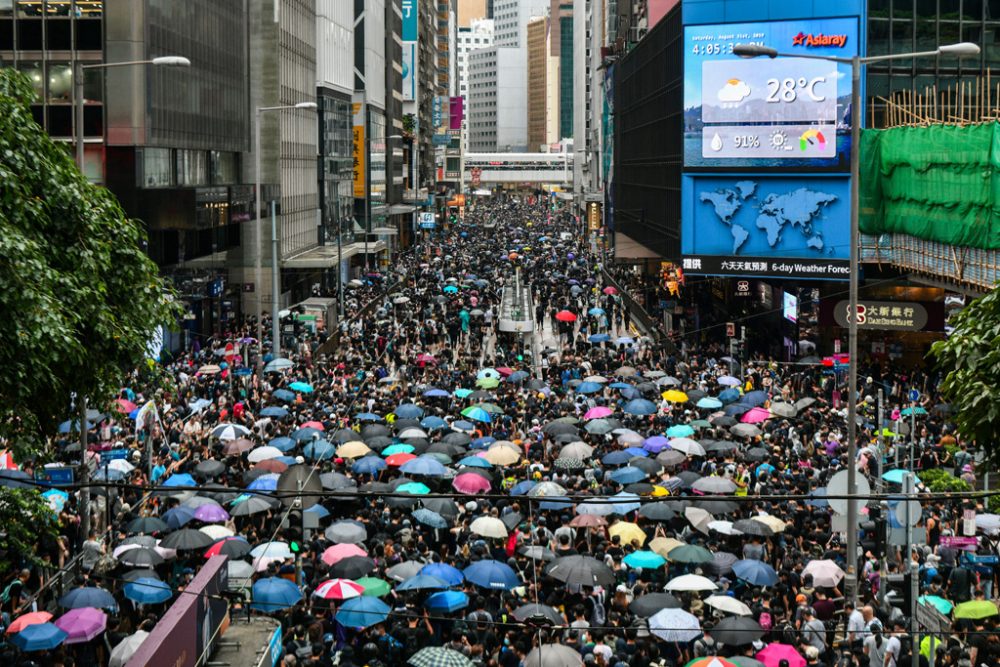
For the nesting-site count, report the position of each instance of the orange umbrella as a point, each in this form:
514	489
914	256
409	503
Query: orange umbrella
24	620
565	316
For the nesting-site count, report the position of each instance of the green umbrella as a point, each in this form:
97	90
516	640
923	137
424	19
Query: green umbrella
374	587
700	423
491	408
690	553
939	603
488	383
976	609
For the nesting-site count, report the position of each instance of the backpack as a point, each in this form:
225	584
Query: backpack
788	634
765	621
597	615
5	595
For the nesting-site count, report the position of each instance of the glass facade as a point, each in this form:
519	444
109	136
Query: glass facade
566	75
336	167
902	26
376	157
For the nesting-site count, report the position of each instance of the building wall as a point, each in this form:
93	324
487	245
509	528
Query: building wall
537	83
483	100
511	100
469	11
511	20
335	45
565	55
554	112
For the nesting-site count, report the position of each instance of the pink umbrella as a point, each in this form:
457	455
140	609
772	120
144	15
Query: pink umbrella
209	513
470	484
505	371
773	654
338	589
755	416
314	424
598	412
609	290
339	552
82	624
125	406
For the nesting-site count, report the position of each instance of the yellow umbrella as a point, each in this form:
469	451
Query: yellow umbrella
772	522
353	450
659	491
627	532
501	456
663	545
675	396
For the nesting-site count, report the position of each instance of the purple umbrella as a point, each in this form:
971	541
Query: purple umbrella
82	625
656	444
211	513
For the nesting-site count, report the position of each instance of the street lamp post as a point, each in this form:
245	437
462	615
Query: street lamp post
78	100
259	233
752	51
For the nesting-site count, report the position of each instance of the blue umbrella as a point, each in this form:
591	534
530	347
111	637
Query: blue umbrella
625	503
518	376
754	398
649	560
478	414
264	483
283	444
243	371
409	411
319	450
179	479
447	601
88	596
450	289
655	444
817	498
640	407
492	574
755	572
483	442
434	392
895	476
627	475
422	582
730	395
636	451
305	434
462	425
680	431
147	590
630	393
301	387
621	385
616	458
369	465
589	387
599	338
521	488
274	594
423	465
709	403
279	364
555	503
319	510
433	422
274	411
447	573
367	417
474	462
362	612
39	637
178	516
737	409
916	411
430	518
73	426
283	395
595	311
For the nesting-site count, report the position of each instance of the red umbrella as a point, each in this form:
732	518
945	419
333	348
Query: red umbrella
24	620
565	316
426	359
272	465
313	424
505	371
338	589
125	407
399	459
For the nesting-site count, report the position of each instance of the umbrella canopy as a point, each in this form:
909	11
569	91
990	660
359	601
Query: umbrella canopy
553	655
362	612
88	596
347	532
492	574
976	609
82	625
274	594
628	532
186	539
39	637
489	527
338	589
31	618
675	625
447	573
691	582
439	656
690	554
730	605
646	605
581	570
147	590
755	572
539	613
825	573
374	587
773	654
422	582
737	631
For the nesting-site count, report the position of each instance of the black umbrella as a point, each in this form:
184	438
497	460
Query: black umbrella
443	506
750	527
640	488
716	506
538	614
378	442
459	439
724	420
560	428
352	567
373	430
401	425
143	573
343	435
689	477
218	492
581	570
756	454
647	605
210	468
737	631
660	511
511	519
186	539
536	552
648	466
336	481
148	524
401	502
722	562
233	547
142	540
670	457
142	557
254	505
719	446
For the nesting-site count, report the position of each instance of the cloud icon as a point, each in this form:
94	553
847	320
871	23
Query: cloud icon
734	91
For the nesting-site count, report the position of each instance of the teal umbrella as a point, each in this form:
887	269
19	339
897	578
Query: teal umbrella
916	410
398	449
895	476
462	393
680	431
649	560
413	488
939	603
301	387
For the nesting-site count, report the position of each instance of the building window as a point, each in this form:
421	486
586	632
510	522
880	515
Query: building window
192	167
33	69
60	80
157	168
223	166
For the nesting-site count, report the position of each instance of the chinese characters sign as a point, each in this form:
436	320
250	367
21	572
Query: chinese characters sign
358	140
884	315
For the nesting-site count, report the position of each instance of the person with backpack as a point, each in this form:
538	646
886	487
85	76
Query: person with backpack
874	647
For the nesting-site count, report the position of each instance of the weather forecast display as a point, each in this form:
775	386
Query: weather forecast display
786	113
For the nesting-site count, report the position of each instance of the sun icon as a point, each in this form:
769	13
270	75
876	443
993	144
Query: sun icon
778	138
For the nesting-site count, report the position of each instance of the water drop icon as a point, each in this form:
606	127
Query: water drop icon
716	142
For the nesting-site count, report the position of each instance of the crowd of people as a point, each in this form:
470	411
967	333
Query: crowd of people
578	495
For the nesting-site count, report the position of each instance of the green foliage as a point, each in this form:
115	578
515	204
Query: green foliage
24	518
79	296
970	359
993	504
942	481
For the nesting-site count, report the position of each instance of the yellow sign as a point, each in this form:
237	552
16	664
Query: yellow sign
359	149
594	216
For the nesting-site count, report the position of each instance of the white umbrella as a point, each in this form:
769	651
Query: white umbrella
412	432
724	527
271	550
691	582
487	526
728	604
674	625
577	450
121	465
544	489
698	518
126	648
229	431
263	454
600	379
825	573
553	655
688	446
988	523
217	532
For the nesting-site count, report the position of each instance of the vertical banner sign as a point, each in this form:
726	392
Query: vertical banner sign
457	113
969	522
409	71
409	20
358	109
441	119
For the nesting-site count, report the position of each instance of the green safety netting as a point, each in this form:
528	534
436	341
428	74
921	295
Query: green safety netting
938	183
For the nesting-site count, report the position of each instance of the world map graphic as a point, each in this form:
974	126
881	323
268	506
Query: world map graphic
802	209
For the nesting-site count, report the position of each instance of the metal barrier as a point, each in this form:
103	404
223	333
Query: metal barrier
643	321
331	344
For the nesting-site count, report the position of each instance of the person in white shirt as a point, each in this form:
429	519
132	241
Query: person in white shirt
855	626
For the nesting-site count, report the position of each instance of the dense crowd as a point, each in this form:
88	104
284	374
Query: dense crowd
578	495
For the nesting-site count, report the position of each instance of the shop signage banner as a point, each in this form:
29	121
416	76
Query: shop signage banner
409	71
884	315
963	543
358	141
409	20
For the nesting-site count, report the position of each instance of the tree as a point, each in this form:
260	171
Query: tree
970	360
79	296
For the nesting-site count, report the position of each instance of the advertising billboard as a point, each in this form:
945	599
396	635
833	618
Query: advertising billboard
409	71
782	226
358	145
457	113
441	119
785	113
790	307
409	20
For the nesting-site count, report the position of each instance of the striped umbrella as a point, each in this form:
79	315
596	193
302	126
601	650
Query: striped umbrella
338	589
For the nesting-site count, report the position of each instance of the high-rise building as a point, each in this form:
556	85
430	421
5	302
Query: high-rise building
510	21
537	83
479	35
469	11
561	15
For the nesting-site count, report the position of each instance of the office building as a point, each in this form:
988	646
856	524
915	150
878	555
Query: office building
561	29
538	85
469	11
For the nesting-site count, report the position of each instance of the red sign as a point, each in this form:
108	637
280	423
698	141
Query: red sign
809	39
963	543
